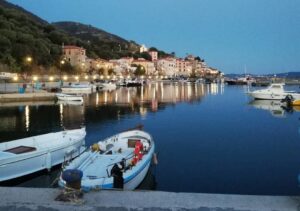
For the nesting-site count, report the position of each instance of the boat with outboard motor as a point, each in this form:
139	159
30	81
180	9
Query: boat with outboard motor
28	155
273	92
120	161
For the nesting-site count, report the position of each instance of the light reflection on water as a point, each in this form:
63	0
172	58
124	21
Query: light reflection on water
210	137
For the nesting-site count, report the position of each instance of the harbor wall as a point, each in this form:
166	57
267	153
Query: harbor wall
17	199
35	96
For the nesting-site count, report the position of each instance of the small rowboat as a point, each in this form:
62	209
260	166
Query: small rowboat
120	161
69	97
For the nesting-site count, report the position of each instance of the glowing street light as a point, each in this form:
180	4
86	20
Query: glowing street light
76	77
101	77
15	78
86	77
65	78
28	59
51	78
35	78
94	77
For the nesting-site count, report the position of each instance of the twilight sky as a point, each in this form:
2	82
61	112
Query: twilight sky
263	35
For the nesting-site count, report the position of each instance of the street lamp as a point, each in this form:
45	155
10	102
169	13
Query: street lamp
28	59
62	62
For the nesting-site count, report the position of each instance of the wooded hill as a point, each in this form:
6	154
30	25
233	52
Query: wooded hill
24	34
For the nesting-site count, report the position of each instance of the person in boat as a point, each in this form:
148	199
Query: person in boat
117	172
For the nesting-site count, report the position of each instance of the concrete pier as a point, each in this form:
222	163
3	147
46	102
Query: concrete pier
35	96
19	199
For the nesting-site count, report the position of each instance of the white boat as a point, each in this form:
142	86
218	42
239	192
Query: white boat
274	92
77	88
69	97
98	165
107	85
32	154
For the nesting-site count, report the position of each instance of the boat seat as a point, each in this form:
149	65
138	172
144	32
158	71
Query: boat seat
20	149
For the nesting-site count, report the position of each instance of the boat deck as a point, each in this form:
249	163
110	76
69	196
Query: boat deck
104	163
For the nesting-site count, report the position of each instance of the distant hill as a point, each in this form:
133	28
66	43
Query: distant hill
24	34
98	43
88	32
8	5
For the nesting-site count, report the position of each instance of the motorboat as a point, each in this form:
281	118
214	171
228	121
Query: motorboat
247	80
273	92
69	97
77	88
124	157
28	155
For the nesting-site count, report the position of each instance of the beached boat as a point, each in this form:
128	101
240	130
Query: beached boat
69	97
77	88
274	92
28	155
120	161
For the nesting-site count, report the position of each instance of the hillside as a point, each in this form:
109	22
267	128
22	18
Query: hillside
23	34
98	43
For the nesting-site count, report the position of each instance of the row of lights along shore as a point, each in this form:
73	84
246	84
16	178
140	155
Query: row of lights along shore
51	78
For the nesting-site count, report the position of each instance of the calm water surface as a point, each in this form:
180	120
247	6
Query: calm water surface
209	138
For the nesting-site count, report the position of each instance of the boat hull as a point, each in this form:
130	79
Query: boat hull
65	97
132	177
16	165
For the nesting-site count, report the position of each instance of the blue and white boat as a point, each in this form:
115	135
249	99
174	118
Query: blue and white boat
130	151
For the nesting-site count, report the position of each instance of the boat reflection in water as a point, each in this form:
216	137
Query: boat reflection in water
275	107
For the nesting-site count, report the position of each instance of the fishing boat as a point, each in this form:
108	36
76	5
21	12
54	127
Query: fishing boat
28	155
77	88
120	161
273	92
69	97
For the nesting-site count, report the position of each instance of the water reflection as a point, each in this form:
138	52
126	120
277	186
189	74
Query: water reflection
150	94
19	120
275	107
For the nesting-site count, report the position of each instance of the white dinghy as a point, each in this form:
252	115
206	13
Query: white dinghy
69	97
120	161
32	154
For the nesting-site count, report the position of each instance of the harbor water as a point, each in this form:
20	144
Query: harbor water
210	138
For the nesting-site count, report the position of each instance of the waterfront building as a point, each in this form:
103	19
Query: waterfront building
75	55
148	65
154	55
167	66
183	67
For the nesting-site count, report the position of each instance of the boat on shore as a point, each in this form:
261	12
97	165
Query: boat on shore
273	92
28	155
121	161
69	97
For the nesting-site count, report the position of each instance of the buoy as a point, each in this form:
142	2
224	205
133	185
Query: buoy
154	158
72	178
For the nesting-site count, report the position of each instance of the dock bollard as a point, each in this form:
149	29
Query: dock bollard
72	178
